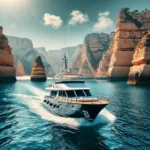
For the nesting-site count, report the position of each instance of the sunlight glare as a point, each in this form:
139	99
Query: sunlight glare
13	4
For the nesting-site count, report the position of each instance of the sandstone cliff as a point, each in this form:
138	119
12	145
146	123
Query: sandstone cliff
23	49
7	69
130	28
20	69
104	64
87	62
140	72
38	70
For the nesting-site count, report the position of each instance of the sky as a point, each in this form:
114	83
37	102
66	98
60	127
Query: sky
54	24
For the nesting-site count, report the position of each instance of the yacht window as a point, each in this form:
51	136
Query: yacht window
62	93
53	93
87	92
80	93
70	93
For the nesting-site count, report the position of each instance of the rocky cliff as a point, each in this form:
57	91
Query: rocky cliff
41	50
140	72
20	69
38	70
23	49
130	28
54	57
104	63
20	43
7	69
88	61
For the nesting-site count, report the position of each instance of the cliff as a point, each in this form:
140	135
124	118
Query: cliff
41	50
140	72
130	28
7	69
38	70
87	62
20	70
54	57
104	64
20	43
23	49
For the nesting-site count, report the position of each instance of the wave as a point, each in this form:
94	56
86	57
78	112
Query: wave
36	91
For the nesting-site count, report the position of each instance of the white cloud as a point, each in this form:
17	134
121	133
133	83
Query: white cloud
104	22
77	17
54	21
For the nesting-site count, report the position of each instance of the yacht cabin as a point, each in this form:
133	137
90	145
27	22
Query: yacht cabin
70	90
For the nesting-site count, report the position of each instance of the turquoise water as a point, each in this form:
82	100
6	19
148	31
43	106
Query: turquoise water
26	124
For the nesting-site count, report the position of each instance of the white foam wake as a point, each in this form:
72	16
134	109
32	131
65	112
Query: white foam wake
27	78
36	106
36	91
23	77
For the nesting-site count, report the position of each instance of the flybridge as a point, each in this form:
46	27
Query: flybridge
68	86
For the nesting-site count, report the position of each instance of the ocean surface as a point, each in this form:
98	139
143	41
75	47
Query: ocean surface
26	125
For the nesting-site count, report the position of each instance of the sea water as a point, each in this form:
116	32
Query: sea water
26	124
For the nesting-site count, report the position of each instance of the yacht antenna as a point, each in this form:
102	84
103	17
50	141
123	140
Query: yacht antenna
66	62
65	57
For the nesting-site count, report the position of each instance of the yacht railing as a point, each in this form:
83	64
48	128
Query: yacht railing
80	100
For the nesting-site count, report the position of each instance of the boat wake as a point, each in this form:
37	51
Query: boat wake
36	91
27	77
35	105
23	77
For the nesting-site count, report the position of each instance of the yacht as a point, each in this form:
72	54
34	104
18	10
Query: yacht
70	97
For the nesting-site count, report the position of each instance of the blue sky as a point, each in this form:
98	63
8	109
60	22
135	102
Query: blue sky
48	23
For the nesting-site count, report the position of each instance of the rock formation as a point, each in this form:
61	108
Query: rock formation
20	69
38	70
7	69
23	49
130	28
41	50
18	43
77	64
87	62
104	64
140	72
